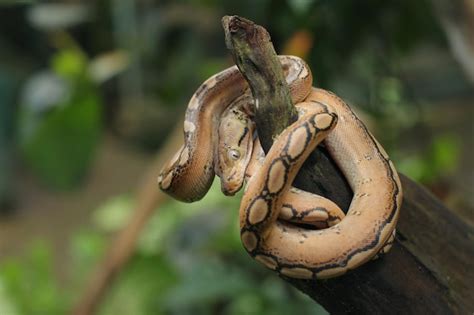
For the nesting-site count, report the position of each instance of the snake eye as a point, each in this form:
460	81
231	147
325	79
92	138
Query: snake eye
234	154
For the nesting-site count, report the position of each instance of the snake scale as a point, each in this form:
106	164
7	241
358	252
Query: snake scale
219	138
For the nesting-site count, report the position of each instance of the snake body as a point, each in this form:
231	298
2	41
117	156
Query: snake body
189	174
366	230
240	155
372	215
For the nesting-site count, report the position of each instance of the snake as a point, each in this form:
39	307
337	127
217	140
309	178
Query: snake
365	232
189	174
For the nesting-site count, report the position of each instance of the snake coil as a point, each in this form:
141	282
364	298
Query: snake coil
218	138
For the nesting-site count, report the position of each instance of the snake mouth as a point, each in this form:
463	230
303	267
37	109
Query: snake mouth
230	189
228	193
231	184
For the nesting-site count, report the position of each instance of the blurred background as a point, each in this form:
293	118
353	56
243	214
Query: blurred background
90	90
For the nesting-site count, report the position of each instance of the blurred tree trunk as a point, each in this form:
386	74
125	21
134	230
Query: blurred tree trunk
457	19
7	118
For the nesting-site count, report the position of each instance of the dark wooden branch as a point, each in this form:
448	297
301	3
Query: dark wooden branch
258	63
253	52
428	269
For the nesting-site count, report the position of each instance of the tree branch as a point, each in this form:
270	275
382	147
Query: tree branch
253	52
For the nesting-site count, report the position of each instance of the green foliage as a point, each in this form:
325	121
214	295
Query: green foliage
202	286
86	249
69	63
60	143
30	286
61	149
438	160
189	260
114	213
6	303
193	253
213	286
393	114
138	288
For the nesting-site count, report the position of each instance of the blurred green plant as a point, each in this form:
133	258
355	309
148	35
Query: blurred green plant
392	115
58	136
197	248
28	284
189	260
437	161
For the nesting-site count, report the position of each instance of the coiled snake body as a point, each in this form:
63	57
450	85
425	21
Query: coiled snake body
367	229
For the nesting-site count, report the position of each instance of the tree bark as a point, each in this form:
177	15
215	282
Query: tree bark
253	52
428	269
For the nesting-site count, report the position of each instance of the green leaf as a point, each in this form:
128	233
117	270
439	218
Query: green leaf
61	149
444	153
114	213
6	302
246	304
31	283
69	63
206	283
390	90
174	214
414	167
139	287
86	248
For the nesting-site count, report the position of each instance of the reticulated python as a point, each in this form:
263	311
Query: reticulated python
350	241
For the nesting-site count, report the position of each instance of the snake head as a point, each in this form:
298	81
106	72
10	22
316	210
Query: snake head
234	150
233	163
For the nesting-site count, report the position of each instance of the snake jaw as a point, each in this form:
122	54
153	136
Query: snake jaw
230	191
231	184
